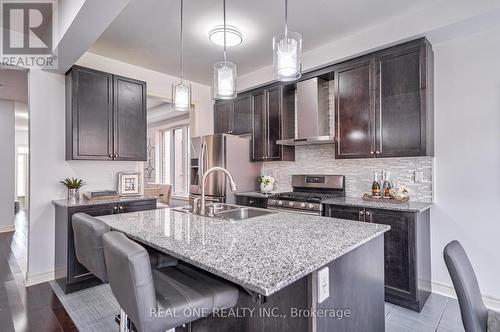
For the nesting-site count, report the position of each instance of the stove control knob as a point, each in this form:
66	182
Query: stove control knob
291	203
302	205
311	206
280	202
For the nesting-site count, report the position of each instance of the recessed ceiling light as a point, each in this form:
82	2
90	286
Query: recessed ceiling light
233	36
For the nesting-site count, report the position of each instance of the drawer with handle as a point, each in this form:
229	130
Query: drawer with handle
252	201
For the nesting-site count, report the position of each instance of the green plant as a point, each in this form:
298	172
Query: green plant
73	183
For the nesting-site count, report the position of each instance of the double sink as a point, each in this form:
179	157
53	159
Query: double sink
228	212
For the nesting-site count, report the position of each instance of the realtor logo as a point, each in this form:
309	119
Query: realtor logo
28	33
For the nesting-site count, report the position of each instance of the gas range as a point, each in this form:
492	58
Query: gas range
308	192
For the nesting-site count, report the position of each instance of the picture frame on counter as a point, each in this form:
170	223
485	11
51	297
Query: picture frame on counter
129	183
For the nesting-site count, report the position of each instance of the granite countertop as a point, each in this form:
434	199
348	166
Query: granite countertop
382	204
85	202
263	254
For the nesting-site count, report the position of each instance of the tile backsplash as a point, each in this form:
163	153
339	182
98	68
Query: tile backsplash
320	159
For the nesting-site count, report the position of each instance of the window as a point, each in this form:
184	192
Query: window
22	171
175	159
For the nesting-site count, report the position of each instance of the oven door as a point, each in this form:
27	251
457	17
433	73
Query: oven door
311	213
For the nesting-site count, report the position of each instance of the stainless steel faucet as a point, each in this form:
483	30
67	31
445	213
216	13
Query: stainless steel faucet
204	179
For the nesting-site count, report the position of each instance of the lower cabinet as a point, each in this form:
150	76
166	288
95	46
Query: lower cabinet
70	274
258	202
407	251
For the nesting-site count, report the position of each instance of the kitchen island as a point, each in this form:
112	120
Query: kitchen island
275	260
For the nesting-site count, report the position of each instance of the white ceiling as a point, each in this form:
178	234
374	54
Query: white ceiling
160	110
146	33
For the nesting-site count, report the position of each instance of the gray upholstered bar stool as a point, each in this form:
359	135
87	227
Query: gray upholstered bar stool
161	299
88	232
475	316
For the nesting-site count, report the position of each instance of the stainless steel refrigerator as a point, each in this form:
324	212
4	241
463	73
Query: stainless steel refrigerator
221	150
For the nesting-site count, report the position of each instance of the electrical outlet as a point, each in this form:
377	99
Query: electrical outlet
109	176
323	284
419	176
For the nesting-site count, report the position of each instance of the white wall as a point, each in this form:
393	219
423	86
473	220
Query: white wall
159	85
7	166
467	162
48	166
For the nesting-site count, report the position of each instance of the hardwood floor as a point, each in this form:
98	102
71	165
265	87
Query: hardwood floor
34	308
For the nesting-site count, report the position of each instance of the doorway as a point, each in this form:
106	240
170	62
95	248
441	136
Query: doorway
14	173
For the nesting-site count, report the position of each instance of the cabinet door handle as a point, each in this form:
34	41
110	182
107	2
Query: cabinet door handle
377	152
116	156
372	153
121	207
361	215
369	215
111	156
251	201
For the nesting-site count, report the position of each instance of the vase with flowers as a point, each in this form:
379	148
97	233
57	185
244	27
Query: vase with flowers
266	183
73	186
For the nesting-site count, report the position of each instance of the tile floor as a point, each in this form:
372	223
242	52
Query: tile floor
440	314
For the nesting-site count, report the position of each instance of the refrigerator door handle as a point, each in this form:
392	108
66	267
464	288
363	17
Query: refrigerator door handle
201	162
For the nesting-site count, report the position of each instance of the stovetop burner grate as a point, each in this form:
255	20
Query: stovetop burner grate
306	196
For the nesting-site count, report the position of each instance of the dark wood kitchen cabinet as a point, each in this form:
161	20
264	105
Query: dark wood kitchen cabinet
354	109
223	117
384	103
273	119
233	116
130	119
105	116
251	200
70	274
407	251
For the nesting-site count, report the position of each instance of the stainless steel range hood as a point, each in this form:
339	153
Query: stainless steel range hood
313	123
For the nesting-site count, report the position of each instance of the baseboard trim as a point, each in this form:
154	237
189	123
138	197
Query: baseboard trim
39	278
5	229
446	290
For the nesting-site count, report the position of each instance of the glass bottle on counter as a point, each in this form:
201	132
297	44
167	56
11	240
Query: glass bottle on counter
387	184
376	186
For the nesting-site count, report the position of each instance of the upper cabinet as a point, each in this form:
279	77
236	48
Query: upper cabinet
105	116
354	109
233	116
267	114
273	119
383	106
384	103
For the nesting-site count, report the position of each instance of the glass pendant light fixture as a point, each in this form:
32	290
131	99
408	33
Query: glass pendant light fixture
224	71
181	92
287	49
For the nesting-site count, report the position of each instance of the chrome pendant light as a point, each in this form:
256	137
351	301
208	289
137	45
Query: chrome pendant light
224	72
181	92
287	49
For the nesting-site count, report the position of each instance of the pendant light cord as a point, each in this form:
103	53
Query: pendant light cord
181	71
224	13
286	18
